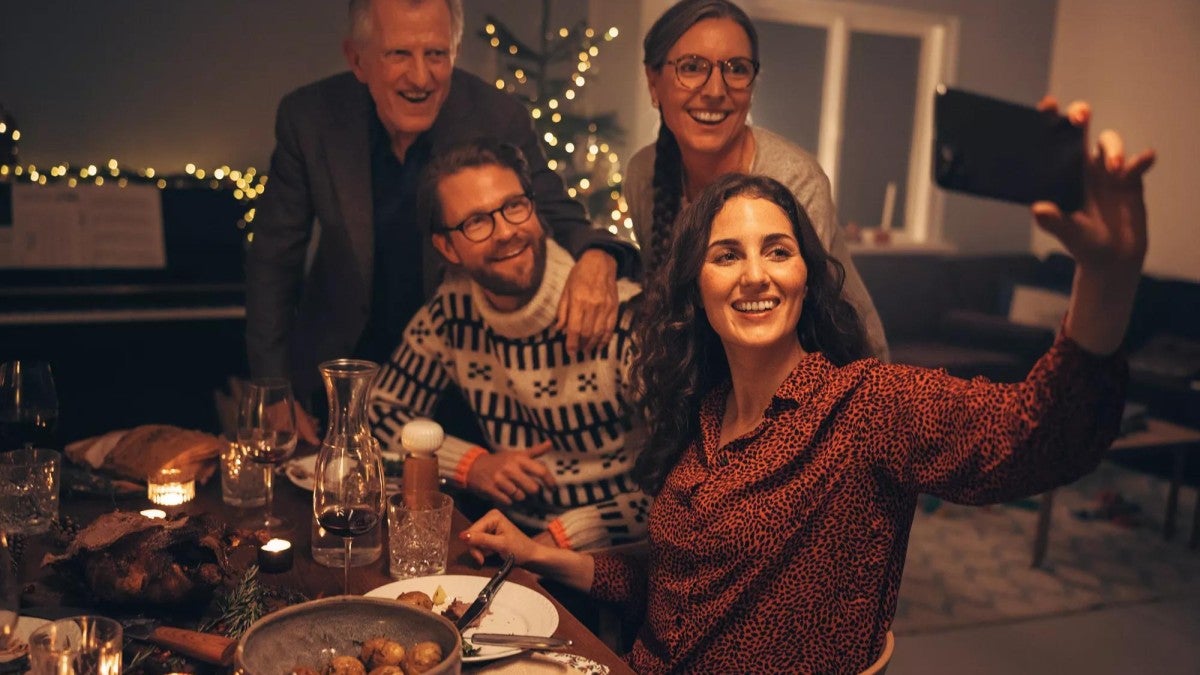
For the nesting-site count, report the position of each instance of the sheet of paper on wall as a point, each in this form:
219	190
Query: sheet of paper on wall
85	227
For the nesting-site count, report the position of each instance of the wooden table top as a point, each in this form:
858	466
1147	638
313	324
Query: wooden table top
316	580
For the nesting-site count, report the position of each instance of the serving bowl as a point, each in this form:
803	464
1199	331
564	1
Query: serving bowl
312	633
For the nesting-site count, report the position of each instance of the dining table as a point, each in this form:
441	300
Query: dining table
315	580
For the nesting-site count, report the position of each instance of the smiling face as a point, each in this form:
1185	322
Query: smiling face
752	282
406	62
510	264
709	120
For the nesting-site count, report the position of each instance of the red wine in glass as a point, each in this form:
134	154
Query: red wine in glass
33	430
348	521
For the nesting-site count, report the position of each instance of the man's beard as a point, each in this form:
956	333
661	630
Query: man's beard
500	284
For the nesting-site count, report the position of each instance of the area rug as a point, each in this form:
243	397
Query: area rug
969	566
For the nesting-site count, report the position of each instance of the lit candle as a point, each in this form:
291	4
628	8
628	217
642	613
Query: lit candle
275	556
170	487
154	513
889	206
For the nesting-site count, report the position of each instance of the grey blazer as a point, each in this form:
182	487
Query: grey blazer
320	171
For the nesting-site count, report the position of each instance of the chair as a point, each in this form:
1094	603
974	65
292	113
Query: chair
612	626
881	663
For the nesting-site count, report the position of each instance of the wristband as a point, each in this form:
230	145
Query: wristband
465	464
559	533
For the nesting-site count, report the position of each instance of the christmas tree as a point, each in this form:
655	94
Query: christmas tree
548	77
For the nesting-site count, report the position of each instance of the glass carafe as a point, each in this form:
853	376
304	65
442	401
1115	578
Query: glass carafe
347	382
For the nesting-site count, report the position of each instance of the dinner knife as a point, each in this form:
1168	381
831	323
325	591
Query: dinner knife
207	647
522	641
485	596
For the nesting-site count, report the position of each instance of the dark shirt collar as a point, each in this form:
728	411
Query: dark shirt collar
381	143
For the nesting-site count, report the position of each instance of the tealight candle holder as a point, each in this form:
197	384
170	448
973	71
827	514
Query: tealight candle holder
275	556
154	513
171	487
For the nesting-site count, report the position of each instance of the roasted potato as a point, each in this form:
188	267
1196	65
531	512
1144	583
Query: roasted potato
417	599
345	665
381	651
423	656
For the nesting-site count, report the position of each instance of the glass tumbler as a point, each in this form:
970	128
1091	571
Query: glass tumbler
77	645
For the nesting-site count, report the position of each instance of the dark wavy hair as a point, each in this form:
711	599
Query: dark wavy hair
680	357
668	164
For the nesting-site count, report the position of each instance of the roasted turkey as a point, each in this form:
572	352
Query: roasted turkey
127	558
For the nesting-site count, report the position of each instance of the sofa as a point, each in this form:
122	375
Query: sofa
957	311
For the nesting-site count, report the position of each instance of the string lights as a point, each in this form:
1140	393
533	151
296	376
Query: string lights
575	144
245	186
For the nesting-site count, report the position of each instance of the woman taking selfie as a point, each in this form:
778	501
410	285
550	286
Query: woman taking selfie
786	471
701	59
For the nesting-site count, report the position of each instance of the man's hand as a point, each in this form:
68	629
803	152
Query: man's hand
588	308
510	476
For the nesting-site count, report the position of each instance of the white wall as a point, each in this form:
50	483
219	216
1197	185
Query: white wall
1139	66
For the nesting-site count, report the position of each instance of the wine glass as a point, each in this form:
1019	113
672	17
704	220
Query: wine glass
28	405
348	497
267	429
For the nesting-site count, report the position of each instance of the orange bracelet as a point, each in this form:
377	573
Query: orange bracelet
464	464
559	533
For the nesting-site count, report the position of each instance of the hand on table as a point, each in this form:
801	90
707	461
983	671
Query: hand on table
510	476
495	533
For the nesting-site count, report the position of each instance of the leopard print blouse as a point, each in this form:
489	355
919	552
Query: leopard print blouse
783	550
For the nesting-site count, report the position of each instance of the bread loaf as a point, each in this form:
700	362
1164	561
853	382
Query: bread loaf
143	451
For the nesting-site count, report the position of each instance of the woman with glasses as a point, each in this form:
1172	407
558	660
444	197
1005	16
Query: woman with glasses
701	59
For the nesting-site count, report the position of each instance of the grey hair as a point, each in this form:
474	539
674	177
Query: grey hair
360	20
684	14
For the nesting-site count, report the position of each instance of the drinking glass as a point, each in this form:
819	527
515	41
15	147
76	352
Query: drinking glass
267	430
77	645
418	533
29	486
242	482
28	405
348	497
10	593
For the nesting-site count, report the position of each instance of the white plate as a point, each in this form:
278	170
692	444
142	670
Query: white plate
515	609
302	471
25	627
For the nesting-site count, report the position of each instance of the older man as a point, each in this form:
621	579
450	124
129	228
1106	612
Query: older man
348	152
556	421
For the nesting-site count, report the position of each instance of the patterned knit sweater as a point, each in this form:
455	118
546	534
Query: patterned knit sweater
525	388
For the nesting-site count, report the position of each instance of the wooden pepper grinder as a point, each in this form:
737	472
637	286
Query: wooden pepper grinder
421	439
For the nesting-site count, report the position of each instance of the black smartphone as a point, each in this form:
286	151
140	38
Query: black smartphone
993	148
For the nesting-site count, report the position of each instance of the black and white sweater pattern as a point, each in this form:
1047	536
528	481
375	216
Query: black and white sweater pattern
525	388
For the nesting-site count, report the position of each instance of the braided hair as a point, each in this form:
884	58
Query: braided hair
668	162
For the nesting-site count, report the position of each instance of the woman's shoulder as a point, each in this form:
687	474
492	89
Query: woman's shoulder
641	165
783	160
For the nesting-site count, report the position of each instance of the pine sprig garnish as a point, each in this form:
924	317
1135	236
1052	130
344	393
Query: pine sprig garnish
239	607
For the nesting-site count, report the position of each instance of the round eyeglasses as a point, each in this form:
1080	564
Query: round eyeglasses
692	71
478	227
